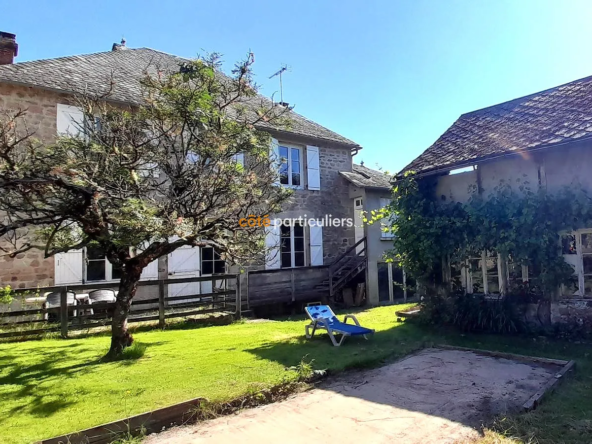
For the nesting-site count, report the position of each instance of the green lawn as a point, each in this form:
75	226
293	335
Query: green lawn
53	386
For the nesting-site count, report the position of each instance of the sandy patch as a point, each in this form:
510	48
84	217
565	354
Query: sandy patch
434	396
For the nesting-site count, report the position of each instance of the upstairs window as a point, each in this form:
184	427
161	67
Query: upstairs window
385	202
290	166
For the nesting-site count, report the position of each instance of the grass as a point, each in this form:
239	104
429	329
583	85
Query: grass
51	387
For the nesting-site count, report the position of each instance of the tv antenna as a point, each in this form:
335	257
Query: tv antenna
283	69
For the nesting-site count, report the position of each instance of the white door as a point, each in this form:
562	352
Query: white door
68	267
358	223
184	263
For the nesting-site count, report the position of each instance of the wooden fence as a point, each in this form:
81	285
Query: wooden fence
82	316
287	285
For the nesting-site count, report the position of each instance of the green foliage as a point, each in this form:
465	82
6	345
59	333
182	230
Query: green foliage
472	313
6	295
131	353
520	224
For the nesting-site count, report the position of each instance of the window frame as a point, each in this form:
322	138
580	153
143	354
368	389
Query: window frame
289	162
213	261
385	235
292	249
579	263
108	268
503	274
392	282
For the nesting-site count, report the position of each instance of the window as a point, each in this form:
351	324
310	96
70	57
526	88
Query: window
290	166
492	273
292	245
385	202
98	268
487	274
463	170
211	262
517	275
586	254
393	283
576	248
475	276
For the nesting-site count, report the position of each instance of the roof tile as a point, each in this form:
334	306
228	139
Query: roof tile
94	72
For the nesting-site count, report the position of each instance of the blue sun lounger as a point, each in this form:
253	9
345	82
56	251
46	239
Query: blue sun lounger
321	316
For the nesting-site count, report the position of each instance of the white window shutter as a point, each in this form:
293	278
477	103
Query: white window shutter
274	152
272	246
68	268
70	120
316	243
150	272
313	167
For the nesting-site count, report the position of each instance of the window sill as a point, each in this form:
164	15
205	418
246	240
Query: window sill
387	238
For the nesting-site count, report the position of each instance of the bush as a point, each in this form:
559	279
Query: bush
6	295
473	313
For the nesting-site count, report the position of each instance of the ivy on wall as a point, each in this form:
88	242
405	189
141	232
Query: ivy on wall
520	224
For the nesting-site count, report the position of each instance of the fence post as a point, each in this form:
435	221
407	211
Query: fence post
161	304
64	311
330	281
239	304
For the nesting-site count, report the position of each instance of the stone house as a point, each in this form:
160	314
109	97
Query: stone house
314	157
544	139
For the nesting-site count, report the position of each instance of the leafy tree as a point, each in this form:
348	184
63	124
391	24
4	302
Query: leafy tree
142	181
520	224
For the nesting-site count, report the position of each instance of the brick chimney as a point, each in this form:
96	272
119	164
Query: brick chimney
8	48
119	46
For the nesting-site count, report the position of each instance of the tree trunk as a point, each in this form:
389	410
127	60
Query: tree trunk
120	336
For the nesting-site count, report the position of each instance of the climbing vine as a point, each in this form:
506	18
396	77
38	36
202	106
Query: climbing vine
513	220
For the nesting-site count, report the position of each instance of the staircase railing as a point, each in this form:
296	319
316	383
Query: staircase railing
339	273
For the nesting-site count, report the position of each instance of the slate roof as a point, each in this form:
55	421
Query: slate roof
92	72
547	118
365	177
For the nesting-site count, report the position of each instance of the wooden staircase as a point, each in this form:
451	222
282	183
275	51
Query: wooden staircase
304	284
346	267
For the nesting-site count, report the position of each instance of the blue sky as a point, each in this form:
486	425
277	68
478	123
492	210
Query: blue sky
390	75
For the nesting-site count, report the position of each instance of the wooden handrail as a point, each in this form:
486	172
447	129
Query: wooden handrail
349	250
342	261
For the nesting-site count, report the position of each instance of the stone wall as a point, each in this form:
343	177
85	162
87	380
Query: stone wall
573	314
27	270
31	269
331	200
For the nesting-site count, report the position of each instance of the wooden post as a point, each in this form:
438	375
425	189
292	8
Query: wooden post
239	306
64	311
161	304
247	290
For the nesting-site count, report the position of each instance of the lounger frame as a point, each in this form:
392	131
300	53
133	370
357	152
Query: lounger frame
323	323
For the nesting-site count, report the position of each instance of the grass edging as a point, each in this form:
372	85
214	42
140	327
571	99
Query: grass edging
201	409
533	402
187	412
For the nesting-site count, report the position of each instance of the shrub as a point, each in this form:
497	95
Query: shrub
473	313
